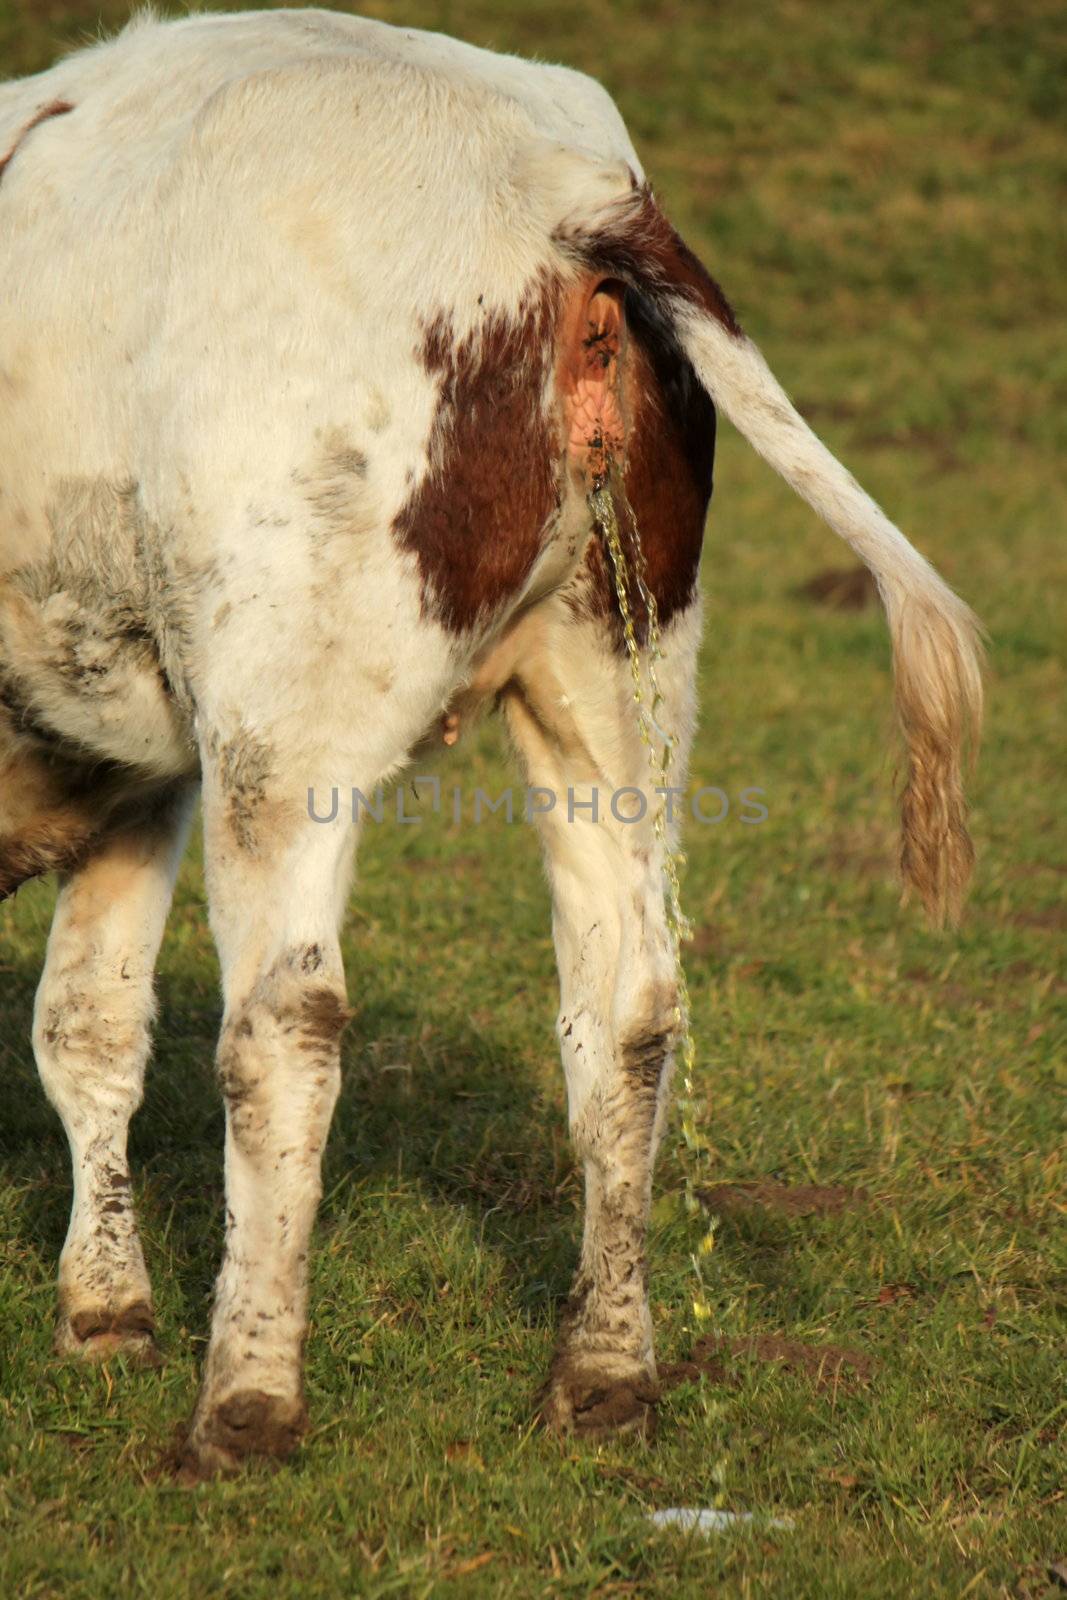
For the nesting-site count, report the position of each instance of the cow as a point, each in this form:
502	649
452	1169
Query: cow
320	340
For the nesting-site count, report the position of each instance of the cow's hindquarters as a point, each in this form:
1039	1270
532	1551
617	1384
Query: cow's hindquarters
936	638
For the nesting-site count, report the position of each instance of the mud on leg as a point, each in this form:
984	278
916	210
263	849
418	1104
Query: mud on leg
91	1038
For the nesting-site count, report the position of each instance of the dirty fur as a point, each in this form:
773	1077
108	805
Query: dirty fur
91	1036
109	563
245	766
337	492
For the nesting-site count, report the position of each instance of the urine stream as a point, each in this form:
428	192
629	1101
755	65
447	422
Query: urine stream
629	575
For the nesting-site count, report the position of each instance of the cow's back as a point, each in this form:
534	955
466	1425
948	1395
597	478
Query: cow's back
325	176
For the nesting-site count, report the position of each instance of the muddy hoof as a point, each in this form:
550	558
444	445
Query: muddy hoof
594	1405
247	1425
97	1334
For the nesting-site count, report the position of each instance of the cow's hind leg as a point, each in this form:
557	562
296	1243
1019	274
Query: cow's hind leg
91	1039
276	884
571	713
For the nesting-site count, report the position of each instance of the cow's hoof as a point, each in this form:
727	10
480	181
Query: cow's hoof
97	1334
580	1399
244	1426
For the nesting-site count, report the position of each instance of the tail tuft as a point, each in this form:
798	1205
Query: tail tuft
936	656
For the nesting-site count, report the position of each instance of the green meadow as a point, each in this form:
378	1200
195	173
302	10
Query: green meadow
881	190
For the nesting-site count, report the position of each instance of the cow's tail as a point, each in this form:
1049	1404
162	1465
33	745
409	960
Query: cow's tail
936	637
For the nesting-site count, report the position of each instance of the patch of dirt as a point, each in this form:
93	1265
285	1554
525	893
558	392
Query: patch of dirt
822	1363
1021	970
1052	919
904	1089
698	1365
787	1200
840	589
825	1365
838	1475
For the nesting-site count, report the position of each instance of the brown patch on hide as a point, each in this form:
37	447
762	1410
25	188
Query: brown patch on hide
476	521
666	478
53	843
645	251
669	464
670	444
54	108
840	589
799	1200
55	810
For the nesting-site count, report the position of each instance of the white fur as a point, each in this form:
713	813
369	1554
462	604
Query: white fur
916	598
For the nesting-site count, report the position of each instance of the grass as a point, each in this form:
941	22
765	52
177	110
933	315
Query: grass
882	195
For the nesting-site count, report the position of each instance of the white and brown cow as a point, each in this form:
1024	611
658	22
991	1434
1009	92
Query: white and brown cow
315	336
